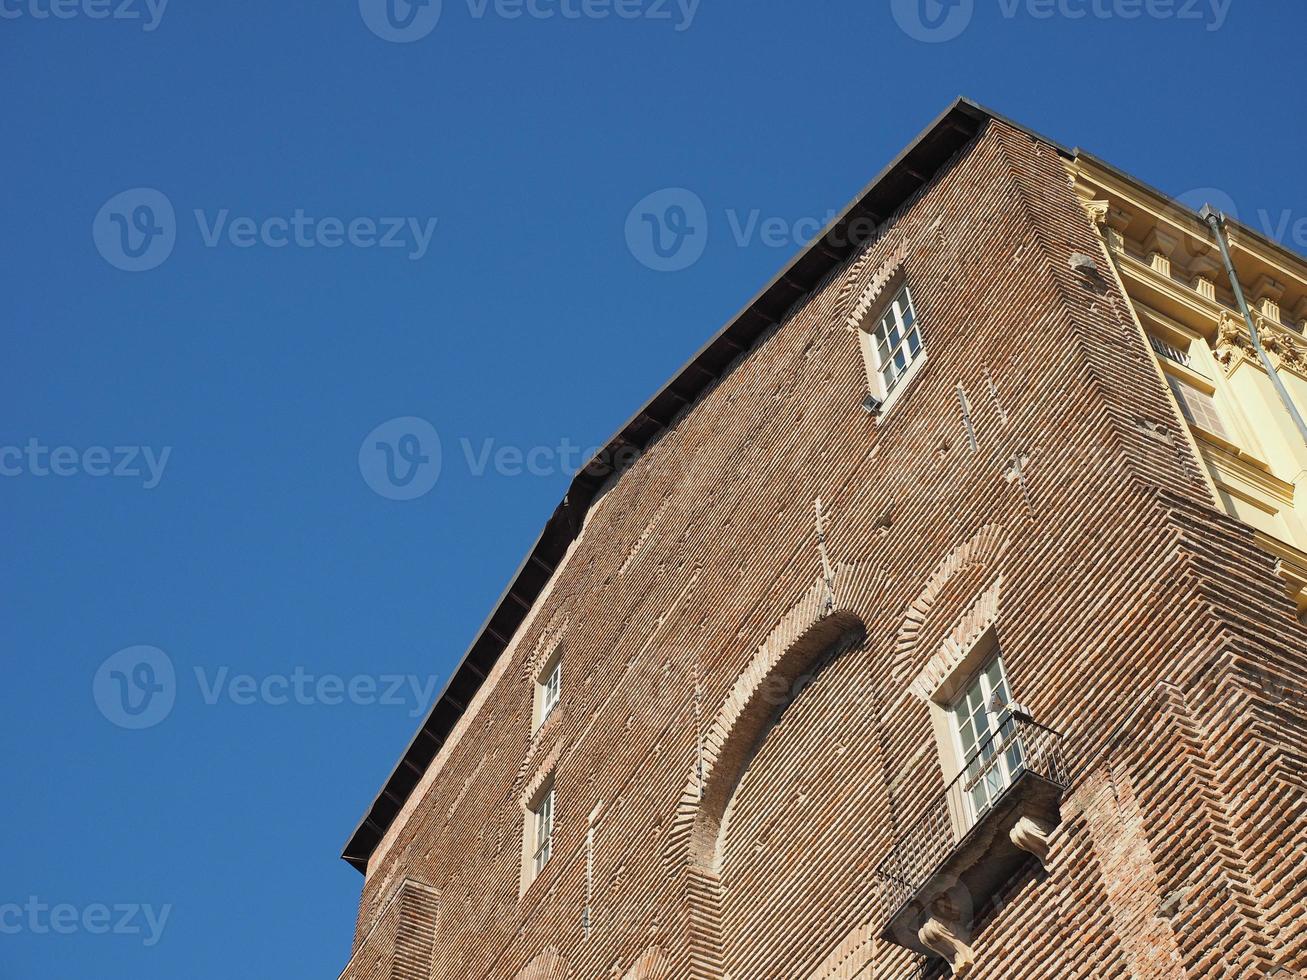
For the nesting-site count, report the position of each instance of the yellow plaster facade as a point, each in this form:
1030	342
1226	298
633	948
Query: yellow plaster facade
1169	266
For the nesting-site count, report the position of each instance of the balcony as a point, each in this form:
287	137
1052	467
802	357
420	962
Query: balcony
993	819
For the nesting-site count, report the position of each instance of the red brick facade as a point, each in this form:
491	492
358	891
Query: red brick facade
756	610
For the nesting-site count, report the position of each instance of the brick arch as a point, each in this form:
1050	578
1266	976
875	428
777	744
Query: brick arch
812	628
983	550
548	965
652	965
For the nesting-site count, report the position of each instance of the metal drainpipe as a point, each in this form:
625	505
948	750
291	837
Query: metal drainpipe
1216	221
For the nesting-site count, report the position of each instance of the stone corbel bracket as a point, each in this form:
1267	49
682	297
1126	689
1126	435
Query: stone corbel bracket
949	939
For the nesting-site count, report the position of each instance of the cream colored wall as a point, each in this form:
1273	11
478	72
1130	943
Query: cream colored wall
1170	267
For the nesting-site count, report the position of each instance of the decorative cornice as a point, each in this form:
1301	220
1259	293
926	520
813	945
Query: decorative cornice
1234	345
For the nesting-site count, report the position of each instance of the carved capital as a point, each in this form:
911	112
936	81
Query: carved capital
1284	351
950	940
1097	211
1232	343
1032	834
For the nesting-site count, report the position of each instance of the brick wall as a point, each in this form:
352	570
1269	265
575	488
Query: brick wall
709	832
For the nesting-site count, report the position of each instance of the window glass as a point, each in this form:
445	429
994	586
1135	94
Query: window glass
898	340
544	829
992	755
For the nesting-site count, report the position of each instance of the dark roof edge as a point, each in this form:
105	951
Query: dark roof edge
874	205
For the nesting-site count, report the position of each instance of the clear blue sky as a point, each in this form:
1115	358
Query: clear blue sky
526	319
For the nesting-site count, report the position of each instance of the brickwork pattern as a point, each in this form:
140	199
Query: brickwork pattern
742	735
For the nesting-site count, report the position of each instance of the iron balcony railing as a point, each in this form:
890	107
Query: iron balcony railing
1019	747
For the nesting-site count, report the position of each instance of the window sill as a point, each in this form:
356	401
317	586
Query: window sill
900	389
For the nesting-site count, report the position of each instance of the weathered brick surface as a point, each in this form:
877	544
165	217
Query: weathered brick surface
708	839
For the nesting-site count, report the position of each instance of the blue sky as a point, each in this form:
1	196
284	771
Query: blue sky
404	216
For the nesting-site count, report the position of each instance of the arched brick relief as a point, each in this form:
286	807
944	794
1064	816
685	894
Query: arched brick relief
979	555
968	630
548	965
872	293
652	965
853	955
819	626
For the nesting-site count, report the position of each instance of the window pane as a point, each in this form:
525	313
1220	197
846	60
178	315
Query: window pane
914	342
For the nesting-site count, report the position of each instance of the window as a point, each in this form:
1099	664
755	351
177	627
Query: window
892	345
1169	351
991	754
549	687
1198	406
542	835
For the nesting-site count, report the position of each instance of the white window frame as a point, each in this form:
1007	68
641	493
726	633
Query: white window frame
548	688
897	317
542	829
987	699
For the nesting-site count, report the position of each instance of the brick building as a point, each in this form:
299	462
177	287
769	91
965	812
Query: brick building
943	616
